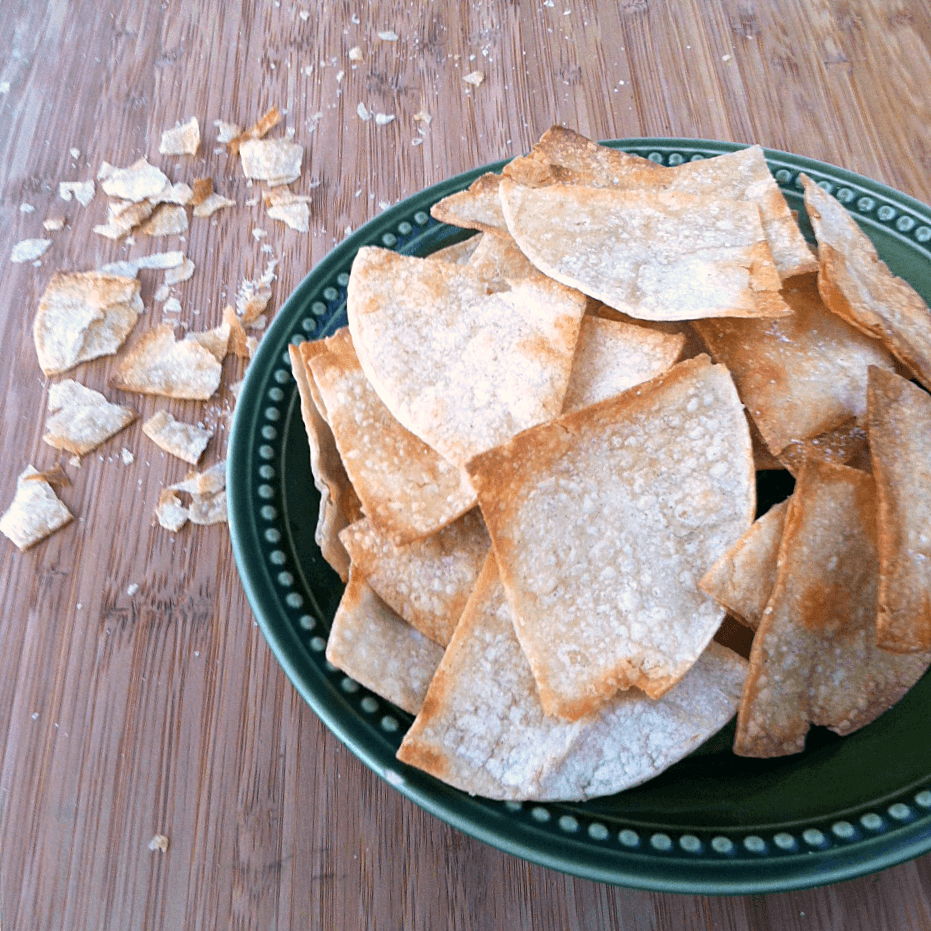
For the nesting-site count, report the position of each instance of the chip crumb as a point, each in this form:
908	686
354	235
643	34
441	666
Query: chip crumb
53	224
132	589
159	842
364	113
127	456
304	15
28	250
421	116
290	208
382	119
82	191
169	512
74	153
26	208
211	204
226	132
355	53
172	306
474	77
388	36
159	261
181	139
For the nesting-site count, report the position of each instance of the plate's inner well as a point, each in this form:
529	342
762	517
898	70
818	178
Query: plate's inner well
848	805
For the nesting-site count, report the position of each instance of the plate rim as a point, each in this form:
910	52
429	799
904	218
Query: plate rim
647	864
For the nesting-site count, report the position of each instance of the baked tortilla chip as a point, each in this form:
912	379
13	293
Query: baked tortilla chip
611	356
800	376
274	161
482	729
458	253
372	645
35	512
140	181
655	255
427	582
160	364
82	316
742	579
602	522
858	286
461	368
181	139
80	419
900	448
339	503
476	208
187	441
406	488
814	658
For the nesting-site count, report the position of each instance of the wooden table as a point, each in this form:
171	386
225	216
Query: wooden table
139	696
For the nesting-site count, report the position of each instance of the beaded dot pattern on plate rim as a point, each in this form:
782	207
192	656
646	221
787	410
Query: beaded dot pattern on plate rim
327	312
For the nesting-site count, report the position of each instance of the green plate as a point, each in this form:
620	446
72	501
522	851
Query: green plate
714	823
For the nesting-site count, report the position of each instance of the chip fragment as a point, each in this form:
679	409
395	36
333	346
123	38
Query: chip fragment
489	364
481	727
181	139
35	512
80	419
814	658
602	522
160	364
274	161
292	209
372	645
900	449
187	441
82	316
859	287
139	182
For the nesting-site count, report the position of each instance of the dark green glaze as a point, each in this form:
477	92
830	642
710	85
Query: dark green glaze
714	823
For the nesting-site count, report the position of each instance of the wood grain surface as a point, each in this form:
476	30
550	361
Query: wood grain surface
128	712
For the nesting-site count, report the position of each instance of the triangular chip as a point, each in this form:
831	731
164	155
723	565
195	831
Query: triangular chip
900	448
160	364
603	521
427	582
476	208
611	356
858	286
338	500
800	376
655	255
814	658
458	253
80	419
406	488
743	578
372	645
459	367
482	729
82	316
187	441
35	512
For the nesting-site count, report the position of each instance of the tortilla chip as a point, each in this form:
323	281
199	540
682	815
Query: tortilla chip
169	512
167	220
801	376
211	204
476	208
129	268
206	510
611	357
338	500
203	484
499	261
35	512
187	441
257	130
603	520
274	161
29	250
427	582
655	255
82	316
458	253
215	341
136	183
80	419
814	658
858	286
292	209
743	578
181	139
254	294
160	364
406	488
372	645
900	447
846	444
482	729
487	366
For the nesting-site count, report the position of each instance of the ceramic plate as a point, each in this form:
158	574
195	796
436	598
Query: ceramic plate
714	823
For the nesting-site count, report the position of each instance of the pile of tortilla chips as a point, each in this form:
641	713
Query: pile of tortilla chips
537	451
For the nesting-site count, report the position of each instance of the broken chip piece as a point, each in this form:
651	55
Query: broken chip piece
187	441
274	161
35	512
181	139
80	419
82	316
